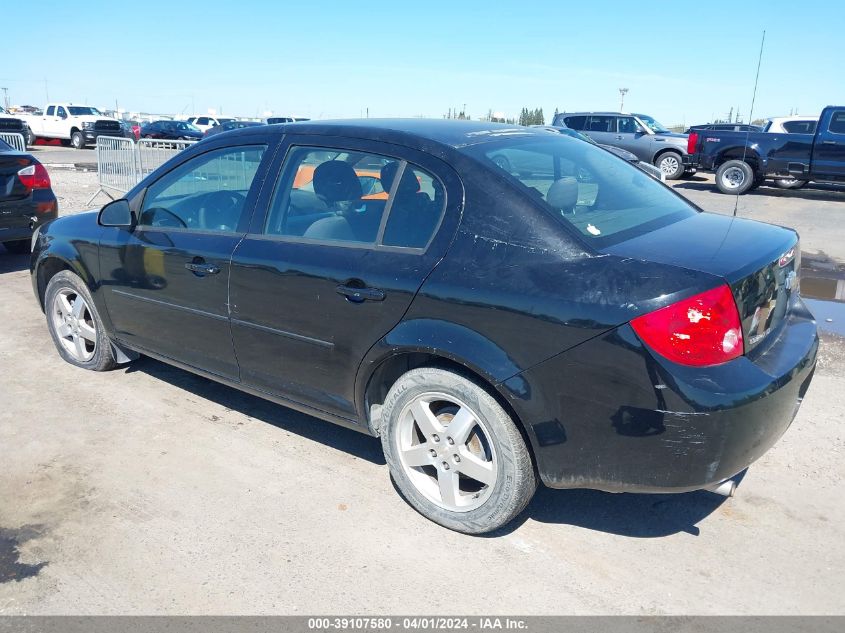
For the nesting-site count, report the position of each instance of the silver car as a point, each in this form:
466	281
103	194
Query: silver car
637	133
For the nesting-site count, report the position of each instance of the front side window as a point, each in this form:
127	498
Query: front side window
837	122
202	121
207	193
61	112
626	125
605	199
355	197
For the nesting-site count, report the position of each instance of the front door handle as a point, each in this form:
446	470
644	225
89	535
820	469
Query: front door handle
202	269
828	142
359	295
619	137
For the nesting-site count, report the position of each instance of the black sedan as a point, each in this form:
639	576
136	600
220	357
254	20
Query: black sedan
582	325
230	125
26	198
171	130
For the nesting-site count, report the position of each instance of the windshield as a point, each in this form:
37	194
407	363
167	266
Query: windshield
576	134
83	111
654	124
187	126
605	199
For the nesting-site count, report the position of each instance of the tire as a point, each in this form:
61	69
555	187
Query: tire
671	164
734	177
18	247
789	183
77	141
502	162
77	331
498	478
30	138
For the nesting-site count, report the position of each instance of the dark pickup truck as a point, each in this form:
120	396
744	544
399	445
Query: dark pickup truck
743	160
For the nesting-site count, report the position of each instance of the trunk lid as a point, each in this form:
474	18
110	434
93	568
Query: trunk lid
758	261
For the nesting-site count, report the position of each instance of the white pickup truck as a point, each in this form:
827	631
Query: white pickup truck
79	124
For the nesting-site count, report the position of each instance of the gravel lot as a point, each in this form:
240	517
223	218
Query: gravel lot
150	490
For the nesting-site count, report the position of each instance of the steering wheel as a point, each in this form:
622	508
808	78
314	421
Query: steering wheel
219	208
162	218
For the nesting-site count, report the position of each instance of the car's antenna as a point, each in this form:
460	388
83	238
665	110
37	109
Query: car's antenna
751	111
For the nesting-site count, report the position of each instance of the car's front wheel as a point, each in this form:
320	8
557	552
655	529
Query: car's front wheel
671	164
75	325
77	140
454	452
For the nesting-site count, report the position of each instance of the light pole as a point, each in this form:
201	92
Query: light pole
5	97
622	93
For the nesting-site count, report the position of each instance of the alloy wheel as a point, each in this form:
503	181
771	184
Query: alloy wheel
669	165
445	450
74	325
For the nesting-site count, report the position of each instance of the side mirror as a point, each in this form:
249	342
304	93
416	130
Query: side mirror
117	214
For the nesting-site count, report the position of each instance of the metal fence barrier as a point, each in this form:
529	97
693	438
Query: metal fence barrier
122	163
16	140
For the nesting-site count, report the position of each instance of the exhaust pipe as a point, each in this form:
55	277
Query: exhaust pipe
726	488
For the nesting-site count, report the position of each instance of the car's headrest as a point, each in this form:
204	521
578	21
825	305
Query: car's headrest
408	184
336	181
563	194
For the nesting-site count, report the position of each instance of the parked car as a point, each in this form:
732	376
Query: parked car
273	120
792	125
595	331
11	124
624	154
743	160
725	127
171	130
79	124
203	123
130	129
26	198
641	134
229	125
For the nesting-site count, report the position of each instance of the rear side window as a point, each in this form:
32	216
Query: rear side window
605	199
355	197
51	111
206	193
575	122
601	124
837	122
800	127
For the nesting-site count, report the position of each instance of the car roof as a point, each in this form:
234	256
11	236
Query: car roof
410	132
600	113
794	117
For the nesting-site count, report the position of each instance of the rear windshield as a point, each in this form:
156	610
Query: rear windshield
606	199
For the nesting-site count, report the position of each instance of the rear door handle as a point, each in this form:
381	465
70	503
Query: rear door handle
359	295
202	269
829	143
619	137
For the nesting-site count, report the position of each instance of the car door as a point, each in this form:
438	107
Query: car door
333	265
829	148
167	279
58	127
631	136
602	129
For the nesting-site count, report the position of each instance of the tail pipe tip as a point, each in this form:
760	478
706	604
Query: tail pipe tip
726	488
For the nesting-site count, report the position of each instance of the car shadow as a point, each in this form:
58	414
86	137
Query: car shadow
10	263
337	437
822	193
632	515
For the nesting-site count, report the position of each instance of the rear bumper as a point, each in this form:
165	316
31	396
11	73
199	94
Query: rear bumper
18	219
610	415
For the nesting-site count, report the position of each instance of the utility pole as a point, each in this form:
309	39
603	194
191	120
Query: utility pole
622	93
5	97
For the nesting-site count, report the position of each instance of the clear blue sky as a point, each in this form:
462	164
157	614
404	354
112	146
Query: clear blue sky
682	62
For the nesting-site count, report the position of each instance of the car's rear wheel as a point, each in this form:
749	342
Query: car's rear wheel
734	177
75	325
18	247
671	164
454	452
77	140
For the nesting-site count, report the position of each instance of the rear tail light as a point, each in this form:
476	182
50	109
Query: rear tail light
692	141
698	331
34	177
